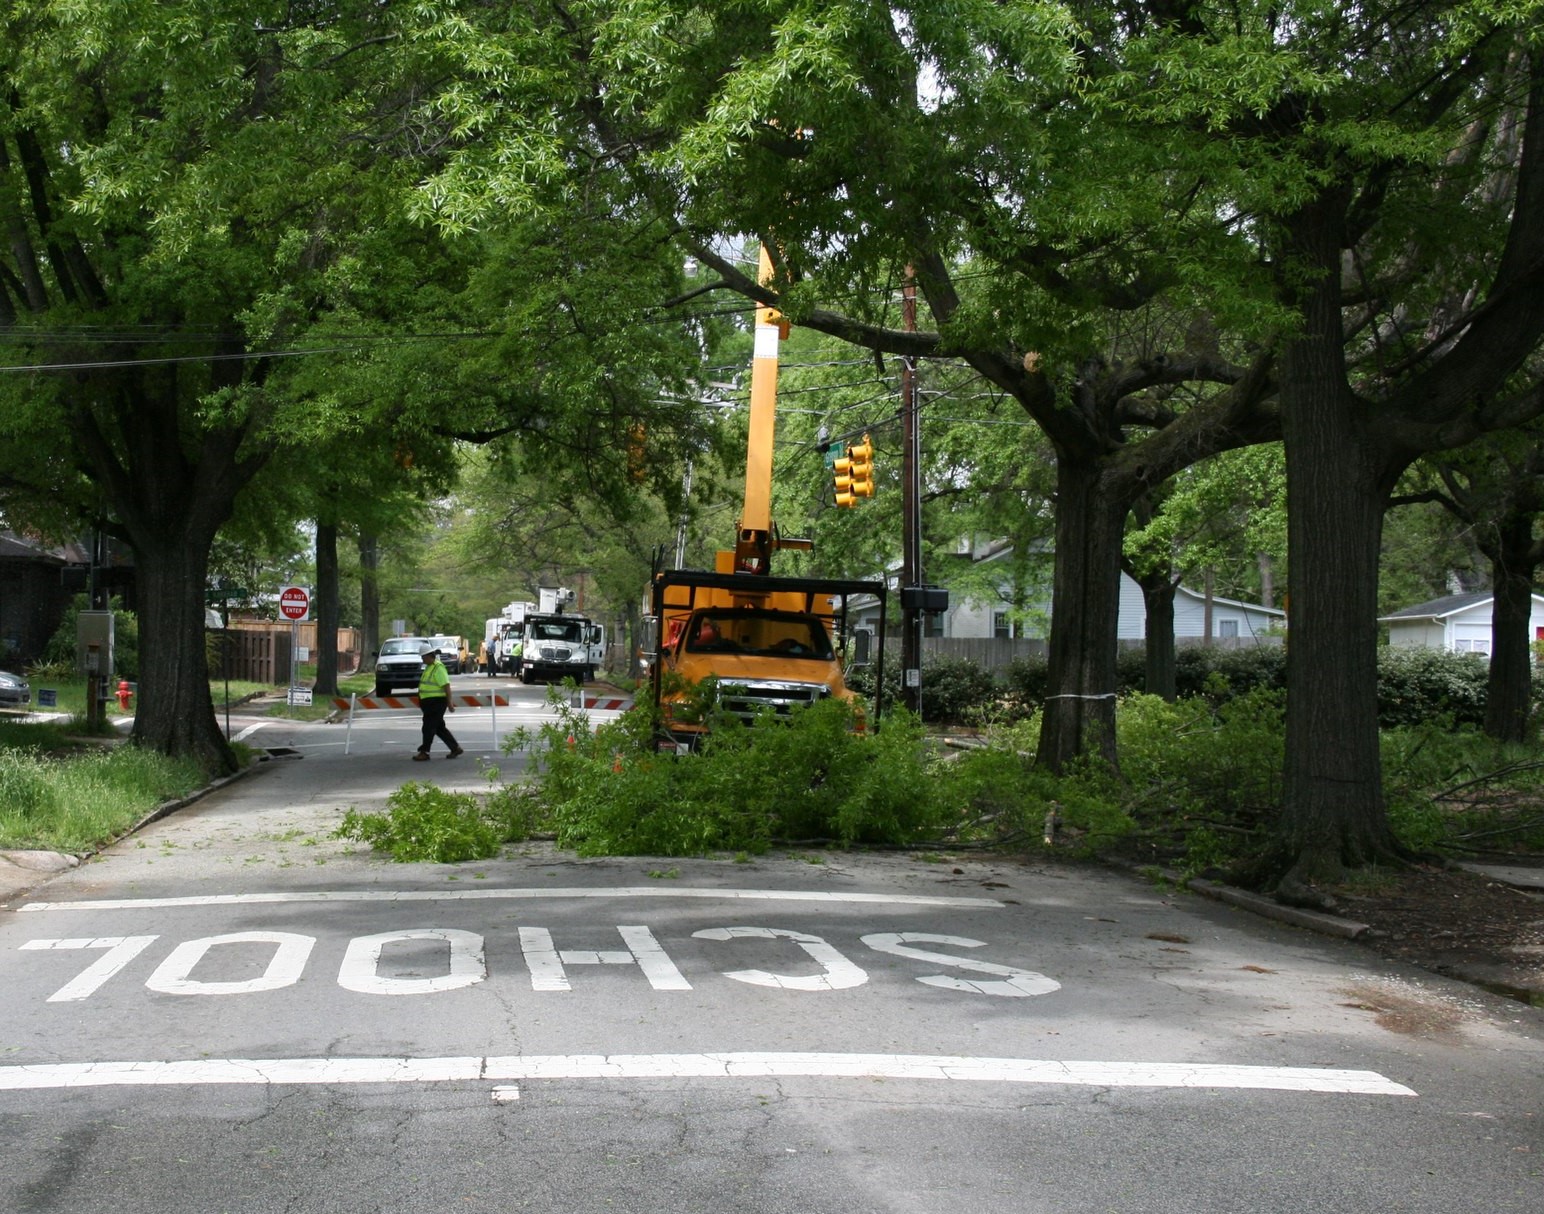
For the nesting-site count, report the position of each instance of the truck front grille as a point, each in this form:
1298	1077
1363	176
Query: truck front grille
747	699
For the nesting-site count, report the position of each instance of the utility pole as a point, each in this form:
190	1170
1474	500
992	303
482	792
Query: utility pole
911	511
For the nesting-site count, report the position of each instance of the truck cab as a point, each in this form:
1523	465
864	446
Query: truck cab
769	644
556	647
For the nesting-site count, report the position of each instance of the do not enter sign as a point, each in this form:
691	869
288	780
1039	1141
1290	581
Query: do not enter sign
294	602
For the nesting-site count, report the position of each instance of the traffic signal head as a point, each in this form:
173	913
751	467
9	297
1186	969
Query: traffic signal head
862	457
842	468
854	474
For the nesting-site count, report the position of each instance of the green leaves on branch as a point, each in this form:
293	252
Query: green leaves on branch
807	777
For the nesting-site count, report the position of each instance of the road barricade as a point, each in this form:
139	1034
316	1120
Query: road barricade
359	703
593	700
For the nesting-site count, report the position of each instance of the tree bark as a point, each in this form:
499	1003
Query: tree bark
1079	711
369	600
175	713
327	607
1338	484
1509	687
1158	596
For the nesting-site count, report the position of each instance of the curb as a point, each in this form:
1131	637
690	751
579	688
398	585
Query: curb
1329	925
1348	929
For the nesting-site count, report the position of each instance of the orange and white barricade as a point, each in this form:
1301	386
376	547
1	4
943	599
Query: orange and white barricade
358	703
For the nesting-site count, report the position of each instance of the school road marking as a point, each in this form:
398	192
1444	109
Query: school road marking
693	1066
466	895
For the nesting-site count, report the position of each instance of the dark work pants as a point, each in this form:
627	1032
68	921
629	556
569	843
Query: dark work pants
434	723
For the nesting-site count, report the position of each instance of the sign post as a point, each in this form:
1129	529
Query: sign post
294	606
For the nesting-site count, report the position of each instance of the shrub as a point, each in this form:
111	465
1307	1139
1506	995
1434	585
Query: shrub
1027	682
1417	685
423	822
955	691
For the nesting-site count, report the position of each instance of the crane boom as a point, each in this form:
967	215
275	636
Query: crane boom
753	542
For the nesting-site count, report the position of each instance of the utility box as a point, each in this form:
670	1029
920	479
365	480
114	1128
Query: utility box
933	600
94	628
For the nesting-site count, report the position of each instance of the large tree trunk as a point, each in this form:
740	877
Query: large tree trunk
1338	483
1158	596
1509	691
175	714
1079	712
369	600
326	609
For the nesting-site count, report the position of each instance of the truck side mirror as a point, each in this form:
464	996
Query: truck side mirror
861	642
648	643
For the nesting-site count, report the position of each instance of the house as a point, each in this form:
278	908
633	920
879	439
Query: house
35	589
37	582
1459	623
1232	622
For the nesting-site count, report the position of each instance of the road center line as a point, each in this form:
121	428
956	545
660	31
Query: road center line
467	895
695	1066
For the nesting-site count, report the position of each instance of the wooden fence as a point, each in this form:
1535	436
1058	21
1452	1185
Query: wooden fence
251	655
259	650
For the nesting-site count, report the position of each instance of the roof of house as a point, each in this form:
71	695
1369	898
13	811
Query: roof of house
1200	596
1440	609
21	547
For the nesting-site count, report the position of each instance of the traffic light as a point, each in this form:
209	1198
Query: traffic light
862	457
843	480
854	474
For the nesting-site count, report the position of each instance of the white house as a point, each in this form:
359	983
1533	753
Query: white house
1456	622
1231	620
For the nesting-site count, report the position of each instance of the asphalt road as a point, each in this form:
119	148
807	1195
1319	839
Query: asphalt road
234	1010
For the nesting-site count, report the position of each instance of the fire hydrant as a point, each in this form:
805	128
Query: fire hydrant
123	695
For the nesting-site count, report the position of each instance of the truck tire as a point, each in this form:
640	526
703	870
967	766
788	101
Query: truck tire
382	691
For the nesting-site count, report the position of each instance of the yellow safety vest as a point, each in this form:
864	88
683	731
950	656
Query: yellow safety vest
434	683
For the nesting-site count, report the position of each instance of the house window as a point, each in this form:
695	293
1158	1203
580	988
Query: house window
1001	628
1227	629
933	625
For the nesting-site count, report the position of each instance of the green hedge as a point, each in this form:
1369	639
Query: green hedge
955	691
1415	686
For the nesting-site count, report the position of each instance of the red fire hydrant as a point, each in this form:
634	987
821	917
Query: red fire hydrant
123	695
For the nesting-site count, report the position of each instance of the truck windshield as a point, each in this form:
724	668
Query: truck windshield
554	630
759	634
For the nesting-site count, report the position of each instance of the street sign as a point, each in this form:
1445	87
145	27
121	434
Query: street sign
295	603
221	593
300	697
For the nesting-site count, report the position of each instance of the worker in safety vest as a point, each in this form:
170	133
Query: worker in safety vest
434	701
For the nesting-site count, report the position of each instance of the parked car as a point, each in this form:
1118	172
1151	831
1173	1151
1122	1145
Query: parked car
14	689
400	664
450	652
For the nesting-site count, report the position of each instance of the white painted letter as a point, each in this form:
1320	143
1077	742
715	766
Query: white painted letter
360	970
120	951
643	950
1018	982
840	973
289	958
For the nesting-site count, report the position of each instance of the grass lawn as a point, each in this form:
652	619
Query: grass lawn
61	790
64	790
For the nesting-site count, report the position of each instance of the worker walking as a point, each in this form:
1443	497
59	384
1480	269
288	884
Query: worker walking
434	701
